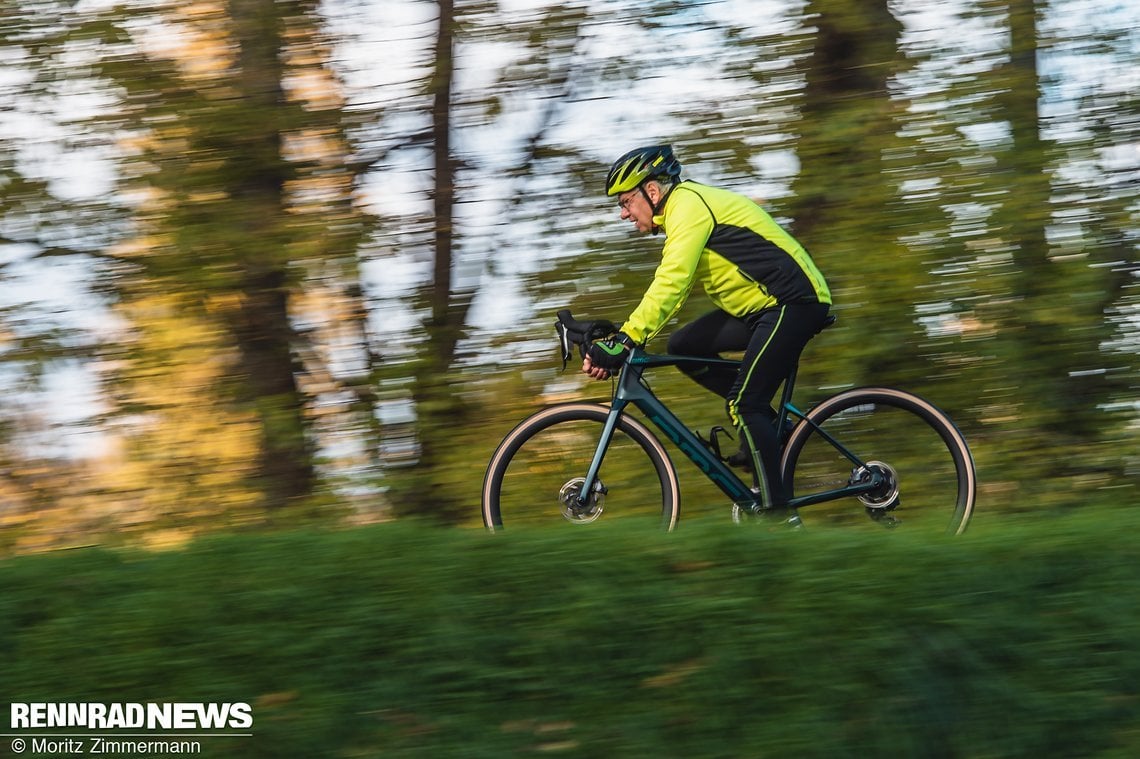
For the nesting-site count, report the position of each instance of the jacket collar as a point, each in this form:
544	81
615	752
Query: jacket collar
659	218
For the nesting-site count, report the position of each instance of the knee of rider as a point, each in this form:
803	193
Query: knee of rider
680	347
676	343
681	343
752	409
731	410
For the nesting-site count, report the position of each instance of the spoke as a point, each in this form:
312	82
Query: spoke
541	482
912	472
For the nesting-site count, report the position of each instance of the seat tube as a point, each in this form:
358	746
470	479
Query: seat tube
786	398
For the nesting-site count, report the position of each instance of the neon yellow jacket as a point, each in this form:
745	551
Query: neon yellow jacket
744	260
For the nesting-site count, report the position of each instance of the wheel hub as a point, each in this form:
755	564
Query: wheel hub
579	513
885	496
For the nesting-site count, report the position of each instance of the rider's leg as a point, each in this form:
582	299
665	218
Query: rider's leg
707	337
778	337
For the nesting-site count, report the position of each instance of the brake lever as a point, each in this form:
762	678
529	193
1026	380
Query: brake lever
567	339
595	330
563	342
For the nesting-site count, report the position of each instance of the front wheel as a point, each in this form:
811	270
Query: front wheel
918	460
537	472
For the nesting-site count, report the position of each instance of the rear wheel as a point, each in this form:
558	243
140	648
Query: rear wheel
922	467
537	472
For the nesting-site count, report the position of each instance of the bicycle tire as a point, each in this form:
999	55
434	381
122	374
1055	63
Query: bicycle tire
931	483
542	456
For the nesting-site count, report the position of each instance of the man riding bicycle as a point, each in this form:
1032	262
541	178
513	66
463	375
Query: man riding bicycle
770	298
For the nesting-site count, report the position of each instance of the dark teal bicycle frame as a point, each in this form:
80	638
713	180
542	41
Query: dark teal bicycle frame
631	390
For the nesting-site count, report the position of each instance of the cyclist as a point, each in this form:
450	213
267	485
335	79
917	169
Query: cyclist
770	298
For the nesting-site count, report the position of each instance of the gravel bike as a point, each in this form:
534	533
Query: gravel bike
871	456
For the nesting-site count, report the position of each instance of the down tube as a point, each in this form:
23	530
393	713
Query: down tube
690	445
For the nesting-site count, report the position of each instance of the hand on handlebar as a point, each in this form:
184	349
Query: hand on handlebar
596	372
605	358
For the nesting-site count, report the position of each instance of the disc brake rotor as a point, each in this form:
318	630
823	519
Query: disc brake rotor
884	497
579	513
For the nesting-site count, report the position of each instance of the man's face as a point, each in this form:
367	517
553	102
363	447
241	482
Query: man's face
636	208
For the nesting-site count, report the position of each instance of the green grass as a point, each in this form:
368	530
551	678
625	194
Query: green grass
1019	639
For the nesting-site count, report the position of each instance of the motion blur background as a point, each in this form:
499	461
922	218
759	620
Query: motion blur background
267	262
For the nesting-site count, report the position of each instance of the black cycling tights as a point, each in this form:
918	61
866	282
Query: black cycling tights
772	341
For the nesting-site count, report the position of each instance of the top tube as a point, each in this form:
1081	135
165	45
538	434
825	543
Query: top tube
639	357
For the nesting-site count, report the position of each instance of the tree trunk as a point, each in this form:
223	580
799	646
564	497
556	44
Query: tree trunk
843	197
437	407
263	330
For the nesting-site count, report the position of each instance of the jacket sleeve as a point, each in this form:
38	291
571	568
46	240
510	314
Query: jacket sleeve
688	224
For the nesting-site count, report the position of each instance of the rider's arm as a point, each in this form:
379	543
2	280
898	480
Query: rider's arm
688	224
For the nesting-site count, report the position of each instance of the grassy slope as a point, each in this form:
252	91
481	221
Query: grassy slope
1020	639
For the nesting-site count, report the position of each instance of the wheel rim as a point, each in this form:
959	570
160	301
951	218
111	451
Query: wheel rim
537	473
924	487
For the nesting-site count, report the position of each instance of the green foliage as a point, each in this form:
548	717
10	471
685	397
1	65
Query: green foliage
845	198
1019	639
975	216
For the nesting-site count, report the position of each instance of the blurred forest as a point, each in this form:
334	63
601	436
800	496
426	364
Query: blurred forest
273	261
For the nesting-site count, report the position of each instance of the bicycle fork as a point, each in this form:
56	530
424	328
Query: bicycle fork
591	484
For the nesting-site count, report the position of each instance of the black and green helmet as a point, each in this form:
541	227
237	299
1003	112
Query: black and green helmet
637	166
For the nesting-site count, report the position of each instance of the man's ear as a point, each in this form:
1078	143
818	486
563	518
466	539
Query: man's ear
653	190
